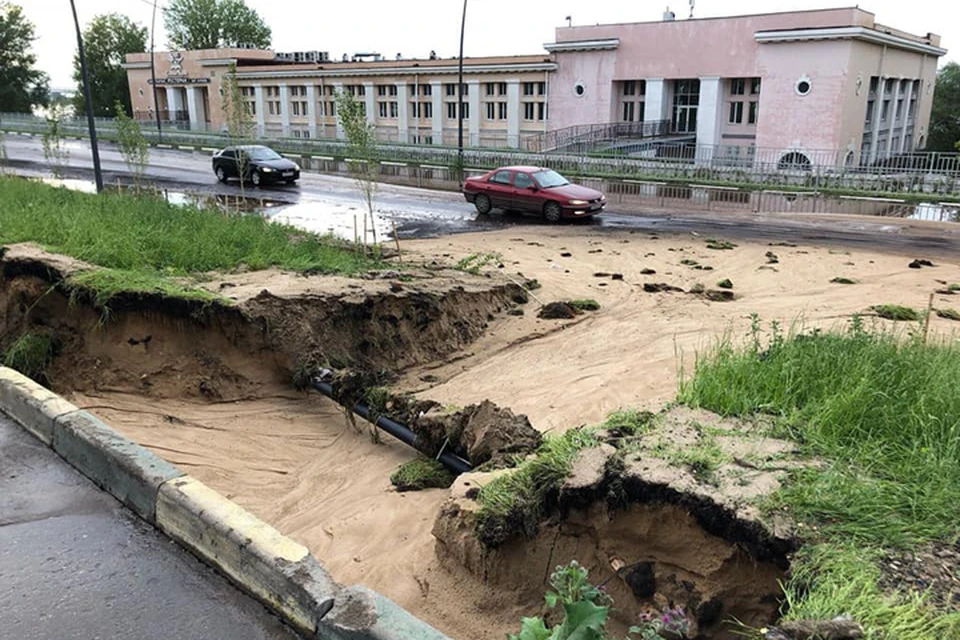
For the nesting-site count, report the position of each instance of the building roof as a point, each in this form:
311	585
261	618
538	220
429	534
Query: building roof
541	62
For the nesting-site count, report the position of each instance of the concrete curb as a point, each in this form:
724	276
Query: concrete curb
279	572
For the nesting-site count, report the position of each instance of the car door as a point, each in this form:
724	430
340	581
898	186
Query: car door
500	189
525	196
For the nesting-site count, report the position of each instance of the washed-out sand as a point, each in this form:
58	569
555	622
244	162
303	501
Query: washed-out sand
292	459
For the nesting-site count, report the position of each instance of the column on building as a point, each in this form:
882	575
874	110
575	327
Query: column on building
513	113
436	97
877	112
893	117
656	106
192	114
174	102
312	109
258	97
370	102
709	112
906	116
473	99
285	111
403	115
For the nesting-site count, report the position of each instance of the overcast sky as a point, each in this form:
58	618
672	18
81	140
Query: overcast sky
414	27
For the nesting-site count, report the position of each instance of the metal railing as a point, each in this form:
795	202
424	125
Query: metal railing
585	137
931	174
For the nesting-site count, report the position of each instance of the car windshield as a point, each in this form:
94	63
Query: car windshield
549	178
263	153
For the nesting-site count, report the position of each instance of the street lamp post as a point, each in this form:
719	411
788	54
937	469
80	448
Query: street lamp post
98	176
153	72
463	25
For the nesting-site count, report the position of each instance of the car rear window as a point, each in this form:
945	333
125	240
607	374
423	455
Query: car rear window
501	177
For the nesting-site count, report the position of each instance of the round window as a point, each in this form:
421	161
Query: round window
579	89
803	86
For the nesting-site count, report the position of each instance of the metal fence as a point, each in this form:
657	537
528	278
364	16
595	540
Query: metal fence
934	175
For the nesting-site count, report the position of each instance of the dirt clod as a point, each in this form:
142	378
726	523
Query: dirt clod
480	433
648	272
557	311
916	264
660	287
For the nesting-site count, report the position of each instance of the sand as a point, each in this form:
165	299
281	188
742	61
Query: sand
292	460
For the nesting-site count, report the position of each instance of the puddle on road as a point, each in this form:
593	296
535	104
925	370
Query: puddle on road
340	220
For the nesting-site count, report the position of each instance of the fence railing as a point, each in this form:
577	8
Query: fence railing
933	175
587	136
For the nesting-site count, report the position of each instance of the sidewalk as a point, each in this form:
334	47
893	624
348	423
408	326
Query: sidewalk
77	565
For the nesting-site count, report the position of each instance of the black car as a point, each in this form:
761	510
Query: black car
259	164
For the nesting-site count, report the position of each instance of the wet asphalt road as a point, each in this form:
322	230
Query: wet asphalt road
330	203
77	565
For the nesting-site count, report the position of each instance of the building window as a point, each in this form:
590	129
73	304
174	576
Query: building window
874	83
465	109
451	111
529	111
630	88
491	108
392	89
501	88
913	108
501	110
738	86
754	86
754	109
488	88
394	110
629	108
381	90
451	90
736	113
427	109
803	86
899	109
871	105
529	88
382	109
885	111
541	88
296	109
542	111
686	103
332	109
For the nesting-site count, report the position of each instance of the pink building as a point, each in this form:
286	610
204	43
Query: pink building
824	87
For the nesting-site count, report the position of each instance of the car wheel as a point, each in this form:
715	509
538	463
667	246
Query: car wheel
221	174
482	203
255	178
551	211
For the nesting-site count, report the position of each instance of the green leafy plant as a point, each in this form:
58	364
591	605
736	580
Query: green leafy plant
720	245
671	623
585	608
948	314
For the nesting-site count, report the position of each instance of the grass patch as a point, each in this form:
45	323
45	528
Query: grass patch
948	314
106	283
884	414
153	240
953	287
515	500
585	305
842	280
703	459
476	261
720	245
422	473
31	354
896	312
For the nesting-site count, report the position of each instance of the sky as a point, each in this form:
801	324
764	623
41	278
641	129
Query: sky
415	27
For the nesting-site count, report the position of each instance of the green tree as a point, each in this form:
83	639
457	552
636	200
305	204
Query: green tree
52	139
22	87
211	24
362	152
133	145
107	40
239	120
945	117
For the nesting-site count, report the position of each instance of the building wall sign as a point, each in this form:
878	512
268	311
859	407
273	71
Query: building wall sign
180	80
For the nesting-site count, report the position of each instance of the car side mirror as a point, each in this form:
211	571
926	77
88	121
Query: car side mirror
533	187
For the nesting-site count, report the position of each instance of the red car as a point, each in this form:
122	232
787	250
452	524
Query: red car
534	189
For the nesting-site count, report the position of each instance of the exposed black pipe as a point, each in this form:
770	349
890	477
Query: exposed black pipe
401	432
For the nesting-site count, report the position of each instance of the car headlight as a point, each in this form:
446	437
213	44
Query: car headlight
578	203
296	167
266	170
603	198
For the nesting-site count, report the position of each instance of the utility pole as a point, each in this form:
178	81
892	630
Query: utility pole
97	174
153	72
463	26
